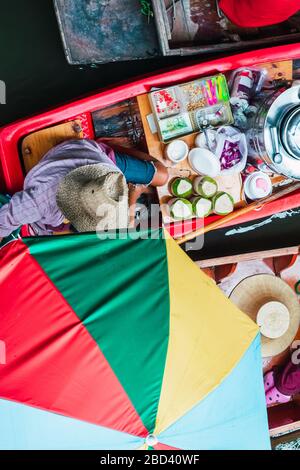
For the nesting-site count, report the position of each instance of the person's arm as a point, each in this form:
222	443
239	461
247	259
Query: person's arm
161	175
21	209
133	152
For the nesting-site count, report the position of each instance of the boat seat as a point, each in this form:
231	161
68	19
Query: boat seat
37	144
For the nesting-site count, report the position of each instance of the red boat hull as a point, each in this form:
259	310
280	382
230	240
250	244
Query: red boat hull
11	172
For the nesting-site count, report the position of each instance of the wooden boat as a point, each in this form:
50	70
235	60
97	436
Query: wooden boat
228	272
24	142
108	32
116	112
187	27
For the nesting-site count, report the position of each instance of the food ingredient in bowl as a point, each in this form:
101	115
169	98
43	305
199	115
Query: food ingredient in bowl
223	203
202	206
180	208
177	150
182	187
205	186
231	155
257	186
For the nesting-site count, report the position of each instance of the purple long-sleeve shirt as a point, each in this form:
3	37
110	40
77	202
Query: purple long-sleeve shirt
36	204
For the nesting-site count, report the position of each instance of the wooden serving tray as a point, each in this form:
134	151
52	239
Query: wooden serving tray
156	148
231	183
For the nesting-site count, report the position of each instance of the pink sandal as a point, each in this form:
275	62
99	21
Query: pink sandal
273	396
269	380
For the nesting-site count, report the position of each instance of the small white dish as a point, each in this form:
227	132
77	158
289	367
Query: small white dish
201	139
177	151
204	162
257	186
273	319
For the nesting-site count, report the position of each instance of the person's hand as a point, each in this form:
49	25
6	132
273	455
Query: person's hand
135	190
1	239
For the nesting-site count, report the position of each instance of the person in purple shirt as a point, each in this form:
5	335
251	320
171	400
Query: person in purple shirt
37	204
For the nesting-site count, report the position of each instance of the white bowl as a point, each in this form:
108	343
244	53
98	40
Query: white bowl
177	151
204	162
201	139
252	191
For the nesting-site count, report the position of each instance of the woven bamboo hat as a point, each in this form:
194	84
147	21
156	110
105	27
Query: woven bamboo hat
274	306
94	197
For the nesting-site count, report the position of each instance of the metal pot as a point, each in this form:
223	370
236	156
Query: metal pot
274	135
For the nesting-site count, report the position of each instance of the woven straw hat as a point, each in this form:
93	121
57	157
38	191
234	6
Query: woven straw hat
94	198
274	306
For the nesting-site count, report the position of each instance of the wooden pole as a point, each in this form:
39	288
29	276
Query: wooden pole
244	210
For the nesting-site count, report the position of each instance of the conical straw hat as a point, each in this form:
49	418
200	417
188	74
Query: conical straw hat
274	306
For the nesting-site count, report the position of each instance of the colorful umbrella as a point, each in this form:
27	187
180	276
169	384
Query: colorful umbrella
123	344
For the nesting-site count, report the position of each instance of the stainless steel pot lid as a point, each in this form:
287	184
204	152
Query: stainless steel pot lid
282	150
290	132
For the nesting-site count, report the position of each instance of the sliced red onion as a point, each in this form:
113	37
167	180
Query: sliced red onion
230	156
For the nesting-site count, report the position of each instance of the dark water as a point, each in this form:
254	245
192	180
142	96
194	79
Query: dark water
34	68
37	77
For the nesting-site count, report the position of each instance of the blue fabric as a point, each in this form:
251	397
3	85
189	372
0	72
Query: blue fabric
24	428
232	417
135	171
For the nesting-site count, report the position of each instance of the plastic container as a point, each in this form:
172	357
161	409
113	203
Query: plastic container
202	141
257	186
204	162
177	151
234	136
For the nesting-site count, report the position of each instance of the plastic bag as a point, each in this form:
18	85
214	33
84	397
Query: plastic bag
231	150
